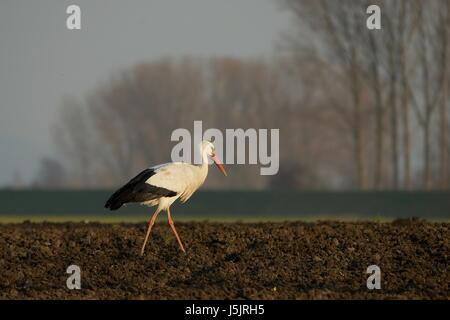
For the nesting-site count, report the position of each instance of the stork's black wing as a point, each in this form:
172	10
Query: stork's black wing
136	190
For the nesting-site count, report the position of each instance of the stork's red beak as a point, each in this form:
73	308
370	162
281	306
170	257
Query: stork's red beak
218	164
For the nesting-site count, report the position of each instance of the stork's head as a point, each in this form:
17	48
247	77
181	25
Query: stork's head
208	149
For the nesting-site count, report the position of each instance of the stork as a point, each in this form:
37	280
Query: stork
163	184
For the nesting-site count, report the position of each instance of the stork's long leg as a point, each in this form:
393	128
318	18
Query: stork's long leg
172	225
149	229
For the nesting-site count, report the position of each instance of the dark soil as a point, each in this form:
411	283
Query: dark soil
292	260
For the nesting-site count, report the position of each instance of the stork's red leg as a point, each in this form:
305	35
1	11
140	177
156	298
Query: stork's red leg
149	229
172	225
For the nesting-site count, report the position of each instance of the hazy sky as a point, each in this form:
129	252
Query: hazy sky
41	61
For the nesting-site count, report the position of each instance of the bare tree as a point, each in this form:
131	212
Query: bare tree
407	28
443	41
339	27
427	90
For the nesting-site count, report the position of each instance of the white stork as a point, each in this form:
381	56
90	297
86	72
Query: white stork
163	184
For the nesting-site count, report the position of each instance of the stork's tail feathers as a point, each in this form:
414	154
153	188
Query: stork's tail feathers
114	202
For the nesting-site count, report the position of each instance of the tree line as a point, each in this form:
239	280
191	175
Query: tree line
356	108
